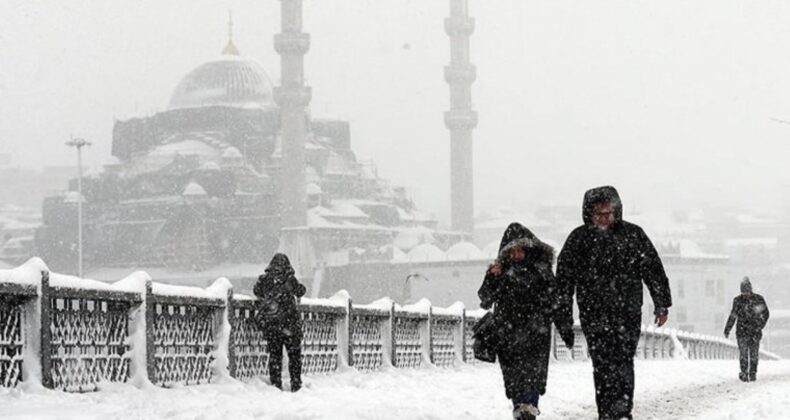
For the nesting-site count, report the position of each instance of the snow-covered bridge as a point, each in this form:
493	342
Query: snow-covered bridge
144	345
665	389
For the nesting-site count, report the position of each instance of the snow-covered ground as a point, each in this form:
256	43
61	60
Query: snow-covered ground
664	389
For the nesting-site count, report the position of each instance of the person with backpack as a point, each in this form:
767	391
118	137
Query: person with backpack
521	287
751	314
277	315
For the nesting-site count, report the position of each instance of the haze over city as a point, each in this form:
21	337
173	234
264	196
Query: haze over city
675	103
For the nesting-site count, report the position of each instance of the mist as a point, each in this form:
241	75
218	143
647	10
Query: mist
676	104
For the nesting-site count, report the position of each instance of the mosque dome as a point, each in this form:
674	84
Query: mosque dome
230	80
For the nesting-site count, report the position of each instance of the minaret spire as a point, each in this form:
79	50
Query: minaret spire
230	49
460	119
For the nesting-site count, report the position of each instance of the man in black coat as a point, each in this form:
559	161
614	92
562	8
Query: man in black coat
277	314
604	263
751	313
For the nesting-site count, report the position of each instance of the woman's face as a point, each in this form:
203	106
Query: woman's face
518	254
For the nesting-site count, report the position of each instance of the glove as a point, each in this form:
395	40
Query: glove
661	316
726	334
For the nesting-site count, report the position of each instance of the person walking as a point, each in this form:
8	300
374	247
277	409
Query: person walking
751	314
605	262
278	291
521	286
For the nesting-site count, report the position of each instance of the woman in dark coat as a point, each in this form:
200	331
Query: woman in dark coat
521	285
277	291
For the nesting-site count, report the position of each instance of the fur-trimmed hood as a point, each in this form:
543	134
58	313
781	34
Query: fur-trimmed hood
516	235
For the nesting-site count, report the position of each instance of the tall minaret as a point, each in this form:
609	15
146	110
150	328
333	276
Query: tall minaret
293	97
460	119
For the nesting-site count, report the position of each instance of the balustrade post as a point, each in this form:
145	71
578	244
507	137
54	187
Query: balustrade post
231	344
391	336
150	321
426	336
46	332
350	333
462	335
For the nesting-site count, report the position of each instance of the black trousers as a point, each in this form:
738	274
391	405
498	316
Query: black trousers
612	354
749	348
293	345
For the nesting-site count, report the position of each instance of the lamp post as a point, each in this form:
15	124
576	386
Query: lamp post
79	143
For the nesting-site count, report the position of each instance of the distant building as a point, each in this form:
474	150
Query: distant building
198	186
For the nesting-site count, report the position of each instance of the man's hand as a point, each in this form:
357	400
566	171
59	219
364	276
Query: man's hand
496	268
662	314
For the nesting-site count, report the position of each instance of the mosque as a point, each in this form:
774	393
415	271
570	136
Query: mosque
236	168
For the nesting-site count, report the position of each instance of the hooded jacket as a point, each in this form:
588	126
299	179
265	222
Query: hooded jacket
524	297
606	271
277	290
749	311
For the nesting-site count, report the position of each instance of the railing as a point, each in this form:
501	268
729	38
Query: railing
660	343
74	334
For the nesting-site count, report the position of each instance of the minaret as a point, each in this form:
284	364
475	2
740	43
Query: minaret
293	97
460	119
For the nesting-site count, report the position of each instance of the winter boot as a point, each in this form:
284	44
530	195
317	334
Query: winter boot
743	376
525	412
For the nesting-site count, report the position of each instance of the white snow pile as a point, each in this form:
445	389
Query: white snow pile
27	273
664	389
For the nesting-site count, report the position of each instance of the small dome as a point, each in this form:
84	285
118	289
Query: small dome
465	251
193	190
231	153
425	253
230	80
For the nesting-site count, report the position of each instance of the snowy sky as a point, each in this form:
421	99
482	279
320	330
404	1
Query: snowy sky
671	101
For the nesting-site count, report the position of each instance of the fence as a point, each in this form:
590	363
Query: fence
73	337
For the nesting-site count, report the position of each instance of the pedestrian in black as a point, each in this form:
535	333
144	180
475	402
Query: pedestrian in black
521	287
604	263
278	291
751	314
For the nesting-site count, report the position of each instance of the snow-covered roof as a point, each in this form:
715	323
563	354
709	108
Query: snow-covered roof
233	81
426	253
491	250
409	238
463	251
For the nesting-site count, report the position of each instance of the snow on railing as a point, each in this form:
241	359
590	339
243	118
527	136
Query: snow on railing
74	334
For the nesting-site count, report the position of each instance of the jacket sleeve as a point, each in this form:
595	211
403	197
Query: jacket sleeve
653	274
732	318
564	325
295	287
258	288
489	291
568	266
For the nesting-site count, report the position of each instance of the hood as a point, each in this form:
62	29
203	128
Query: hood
518	235
746	285
280	264
601	195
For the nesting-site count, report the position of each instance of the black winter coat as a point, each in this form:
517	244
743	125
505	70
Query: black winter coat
524	302
277	291
751	314
606	270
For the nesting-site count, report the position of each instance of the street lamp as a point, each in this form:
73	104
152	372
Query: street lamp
79	143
